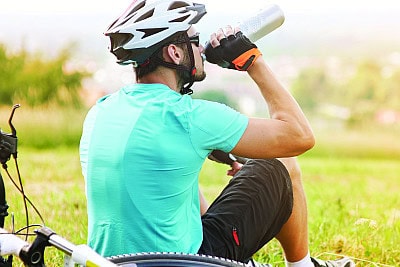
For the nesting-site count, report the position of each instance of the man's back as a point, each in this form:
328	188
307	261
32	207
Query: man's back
141	151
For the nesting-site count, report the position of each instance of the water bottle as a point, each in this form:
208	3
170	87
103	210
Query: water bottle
262	23
254	28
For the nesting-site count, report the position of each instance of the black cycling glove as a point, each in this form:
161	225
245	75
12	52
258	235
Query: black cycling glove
234	52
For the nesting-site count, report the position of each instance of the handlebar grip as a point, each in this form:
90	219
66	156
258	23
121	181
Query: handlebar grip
83	254
78	254
10	244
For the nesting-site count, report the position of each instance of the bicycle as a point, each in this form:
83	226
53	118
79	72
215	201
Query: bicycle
33	254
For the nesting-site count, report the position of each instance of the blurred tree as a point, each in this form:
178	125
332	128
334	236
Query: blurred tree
33	80
392	85
366	84
312	88
364	93
11	65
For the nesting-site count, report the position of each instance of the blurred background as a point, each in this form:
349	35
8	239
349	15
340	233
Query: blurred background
341	59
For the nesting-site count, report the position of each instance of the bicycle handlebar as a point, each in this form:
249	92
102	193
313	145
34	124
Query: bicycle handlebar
33	254
10	244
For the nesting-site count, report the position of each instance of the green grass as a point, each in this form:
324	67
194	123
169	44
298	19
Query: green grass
350	178
45	127
53	182
354	209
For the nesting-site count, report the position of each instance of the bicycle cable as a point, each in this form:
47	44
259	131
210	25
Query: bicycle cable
26	200
8	147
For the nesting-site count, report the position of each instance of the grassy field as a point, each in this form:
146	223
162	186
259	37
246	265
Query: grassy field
354	209
351	180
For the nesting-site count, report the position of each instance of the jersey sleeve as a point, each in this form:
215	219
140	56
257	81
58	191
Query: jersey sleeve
215	126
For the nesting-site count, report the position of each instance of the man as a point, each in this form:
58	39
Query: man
142	147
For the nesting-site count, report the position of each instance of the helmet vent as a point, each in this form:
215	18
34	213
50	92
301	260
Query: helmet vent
135	9
177	4
145	15
150	32
180	19
128	16
139	6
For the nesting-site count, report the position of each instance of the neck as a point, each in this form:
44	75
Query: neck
162	76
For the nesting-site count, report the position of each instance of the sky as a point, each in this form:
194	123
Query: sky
83	6
110	10
357	10
315	25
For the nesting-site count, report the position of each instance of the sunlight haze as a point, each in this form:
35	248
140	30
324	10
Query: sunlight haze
79	6
312	29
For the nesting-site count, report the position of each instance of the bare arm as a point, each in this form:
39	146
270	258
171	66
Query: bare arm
286	133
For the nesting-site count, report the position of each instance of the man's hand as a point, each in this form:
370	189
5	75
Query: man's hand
236	166
235	162
231	49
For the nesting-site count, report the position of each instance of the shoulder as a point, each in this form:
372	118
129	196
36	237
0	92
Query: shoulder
206	112
214	109
202	104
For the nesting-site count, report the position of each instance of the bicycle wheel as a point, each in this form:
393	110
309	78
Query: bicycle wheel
172	260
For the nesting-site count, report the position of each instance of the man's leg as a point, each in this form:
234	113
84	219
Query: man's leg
294	233
249	212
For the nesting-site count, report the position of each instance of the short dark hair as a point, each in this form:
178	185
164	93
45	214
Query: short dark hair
151	65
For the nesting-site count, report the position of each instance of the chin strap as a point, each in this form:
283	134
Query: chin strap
189	72
186	89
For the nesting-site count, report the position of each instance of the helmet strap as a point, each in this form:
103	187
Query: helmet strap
192	70
189	72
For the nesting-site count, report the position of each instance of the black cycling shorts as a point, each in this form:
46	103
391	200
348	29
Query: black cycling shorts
249	212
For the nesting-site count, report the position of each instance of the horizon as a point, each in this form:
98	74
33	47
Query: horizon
54	30
319	31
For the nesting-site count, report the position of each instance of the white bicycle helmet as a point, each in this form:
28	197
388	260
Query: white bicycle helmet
143	27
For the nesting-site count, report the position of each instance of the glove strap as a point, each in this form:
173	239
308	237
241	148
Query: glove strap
247	59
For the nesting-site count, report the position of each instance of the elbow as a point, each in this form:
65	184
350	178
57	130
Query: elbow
309	142
306	142
300	142
294	145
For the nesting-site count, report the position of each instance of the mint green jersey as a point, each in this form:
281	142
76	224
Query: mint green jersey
141	152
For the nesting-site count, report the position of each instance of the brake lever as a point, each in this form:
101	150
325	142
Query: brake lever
8	141
13	130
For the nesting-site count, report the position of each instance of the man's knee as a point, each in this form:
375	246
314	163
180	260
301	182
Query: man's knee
270	173
292	167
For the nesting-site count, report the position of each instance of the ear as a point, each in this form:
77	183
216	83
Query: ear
173	54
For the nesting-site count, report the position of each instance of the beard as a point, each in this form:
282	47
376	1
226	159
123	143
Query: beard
185	76
200	76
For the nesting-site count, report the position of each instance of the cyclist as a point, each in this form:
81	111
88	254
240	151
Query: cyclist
143	146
